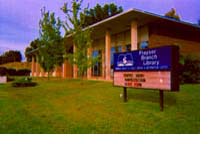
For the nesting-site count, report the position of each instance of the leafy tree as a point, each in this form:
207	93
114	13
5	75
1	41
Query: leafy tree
99	13
51	47
81	37
34	43
11	56
172	14
27	55
33	46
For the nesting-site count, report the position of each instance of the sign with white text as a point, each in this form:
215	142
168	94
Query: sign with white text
153	68
141	79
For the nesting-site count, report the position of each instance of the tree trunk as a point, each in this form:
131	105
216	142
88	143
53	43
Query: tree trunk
81	77
48	75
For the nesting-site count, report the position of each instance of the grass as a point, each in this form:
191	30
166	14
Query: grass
67	106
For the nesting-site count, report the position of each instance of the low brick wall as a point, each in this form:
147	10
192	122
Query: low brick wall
3	79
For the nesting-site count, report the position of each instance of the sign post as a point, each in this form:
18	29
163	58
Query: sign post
161	100
153	68
125	94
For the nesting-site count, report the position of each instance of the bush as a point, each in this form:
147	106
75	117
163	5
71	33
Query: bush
10	79
23	72
190	70
24	82
11	72
3	71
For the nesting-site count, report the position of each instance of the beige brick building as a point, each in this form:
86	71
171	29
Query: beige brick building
130	30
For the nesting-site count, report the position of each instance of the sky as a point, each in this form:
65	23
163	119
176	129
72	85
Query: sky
19	19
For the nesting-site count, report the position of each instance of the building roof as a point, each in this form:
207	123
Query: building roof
34	51
122	21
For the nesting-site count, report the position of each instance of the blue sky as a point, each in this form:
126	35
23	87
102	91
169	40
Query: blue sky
19	18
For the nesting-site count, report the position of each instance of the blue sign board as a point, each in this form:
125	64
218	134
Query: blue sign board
144	60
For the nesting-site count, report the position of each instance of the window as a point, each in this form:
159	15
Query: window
128	47
143	45
96	69
113	50
119	48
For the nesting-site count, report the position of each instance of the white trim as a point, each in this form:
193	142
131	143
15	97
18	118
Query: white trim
140	11
108	19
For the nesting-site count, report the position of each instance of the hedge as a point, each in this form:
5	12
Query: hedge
13	72
23	72
3	71
190	69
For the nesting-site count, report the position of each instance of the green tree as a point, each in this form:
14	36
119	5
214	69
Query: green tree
51	47
81	37
172	14
99	13
33	46
27	54
11	56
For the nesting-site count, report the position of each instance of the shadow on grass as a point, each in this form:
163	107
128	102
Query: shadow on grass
152	96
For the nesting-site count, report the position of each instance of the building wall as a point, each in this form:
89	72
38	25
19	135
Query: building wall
124	38
67	71
187	40
186	47
119	39
143	33
98	44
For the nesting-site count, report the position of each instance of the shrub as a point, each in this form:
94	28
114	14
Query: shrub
190	70
3	71
23	72
24	82
10	79
11	72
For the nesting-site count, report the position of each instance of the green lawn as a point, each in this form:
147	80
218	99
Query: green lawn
66	106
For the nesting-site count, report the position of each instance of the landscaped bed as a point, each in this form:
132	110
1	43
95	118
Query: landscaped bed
70	106
24	82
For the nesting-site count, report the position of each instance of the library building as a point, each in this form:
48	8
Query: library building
130	30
